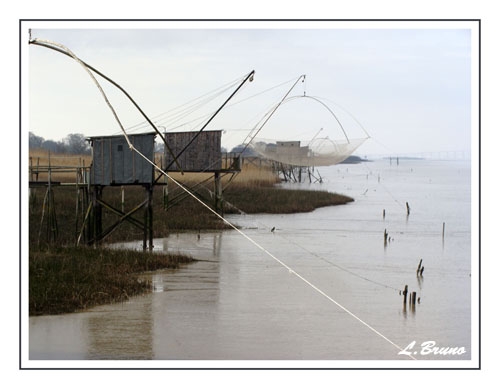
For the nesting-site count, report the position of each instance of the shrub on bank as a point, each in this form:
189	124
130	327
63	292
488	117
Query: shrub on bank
69	279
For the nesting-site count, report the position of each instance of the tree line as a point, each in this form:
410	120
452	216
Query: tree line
71	144
77	144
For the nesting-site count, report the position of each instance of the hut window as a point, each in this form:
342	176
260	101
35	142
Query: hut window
120	148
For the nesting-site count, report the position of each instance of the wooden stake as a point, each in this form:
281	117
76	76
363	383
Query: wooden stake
405	293
219	205
419	265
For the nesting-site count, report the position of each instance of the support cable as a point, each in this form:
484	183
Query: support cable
248	77
64	50
293	242
252	137
263	249
290	270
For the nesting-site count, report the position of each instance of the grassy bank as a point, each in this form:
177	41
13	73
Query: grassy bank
63	280
252	191
279	201
183	213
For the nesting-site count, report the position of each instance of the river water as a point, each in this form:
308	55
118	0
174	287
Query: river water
322	288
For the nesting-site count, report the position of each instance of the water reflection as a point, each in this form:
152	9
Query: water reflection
157	281
125	333
420	281
237	303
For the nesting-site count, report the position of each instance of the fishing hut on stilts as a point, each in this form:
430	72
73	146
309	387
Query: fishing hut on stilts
114	163
130	160
199	152
290	161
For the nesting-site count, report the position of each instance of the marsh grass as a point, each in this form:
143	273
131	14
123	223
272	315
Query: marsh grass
281	201
63	280
65	165
253	190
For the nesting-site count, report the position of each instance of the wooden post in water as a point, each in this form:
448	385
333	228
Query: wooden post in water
413	300
405	293
419	265
442	233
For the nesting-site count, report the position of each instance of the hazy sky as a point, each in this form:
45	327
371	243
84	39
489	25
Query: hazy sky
409	85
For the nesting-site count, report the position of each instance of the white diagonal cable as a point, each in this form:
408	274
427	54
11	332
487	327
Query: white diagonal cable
291	271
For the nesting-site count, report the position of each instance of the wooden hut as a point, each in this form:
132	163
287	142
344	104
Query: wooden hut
196	151
114	163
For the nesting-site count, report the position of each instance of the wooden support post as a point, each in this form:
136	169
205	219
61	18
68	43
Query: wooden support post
419	266
86	214
96	214
145	227
165	197
218	194
442	233
385	237
148	219
123	197
150	211
413	298
78	202
51	210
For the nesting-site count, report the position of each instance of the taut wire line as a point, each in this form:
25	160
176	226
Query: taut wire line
290	270
320	257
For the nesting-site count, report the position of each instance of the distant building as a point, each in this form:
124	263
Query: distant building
291	148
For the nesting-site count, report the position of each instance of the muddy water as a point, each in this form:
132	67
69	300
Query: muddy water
240	301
